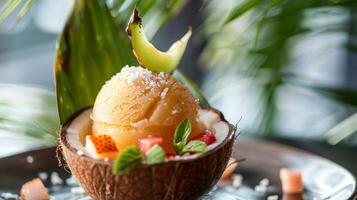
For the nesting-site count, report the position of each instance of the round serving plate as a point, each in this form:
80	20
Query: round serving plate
323	179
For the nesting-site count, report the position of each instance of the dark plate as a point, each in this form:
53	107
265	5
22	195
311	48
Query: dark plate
322	178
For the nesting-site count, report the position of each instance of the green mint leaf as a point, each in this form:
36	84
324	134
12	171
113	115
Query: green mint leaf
128	159
196	146
182	132
155	155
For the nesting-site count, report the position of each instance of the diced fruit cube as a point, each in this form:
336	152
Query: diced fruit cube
34	190
145	144
207	137
228	172
291	181
101	147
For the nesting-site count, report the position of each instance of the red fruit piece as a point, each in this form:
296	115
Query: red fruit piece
207	137
34	190
170	155
147	143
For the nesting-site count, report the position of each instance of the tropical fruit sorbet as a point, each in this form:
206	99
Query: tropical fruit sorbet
137	103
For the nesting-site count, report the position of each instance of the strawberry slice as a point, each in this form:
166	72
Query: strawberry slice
101	147
145	144
207	137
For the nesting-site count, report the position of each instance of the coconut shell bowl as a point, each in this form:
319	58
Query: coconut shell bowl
180	179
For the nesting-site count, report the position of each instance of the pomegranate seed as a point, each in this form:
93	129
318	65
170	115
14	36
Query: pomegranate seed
207	137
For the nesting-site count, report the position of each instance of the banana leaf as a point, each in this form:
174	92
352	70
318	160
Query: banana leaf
94	46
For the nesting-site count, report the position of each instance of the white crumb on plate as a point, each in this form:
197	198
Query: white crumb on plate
264	182
9	196
55	179
260	188
43	176
273	197
71	181
30	159
237	180
77	190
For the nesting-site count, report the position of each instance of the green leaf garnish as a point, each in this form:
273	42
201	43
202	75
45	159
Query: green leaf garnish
155	155
182	132
128	159
196	146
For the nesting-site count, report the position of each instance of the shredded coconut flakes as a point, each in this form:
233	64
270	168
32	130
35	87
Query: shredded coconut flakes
164	92
131	74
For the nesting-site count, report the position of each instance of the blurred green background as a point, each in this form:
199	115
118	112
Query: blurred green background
283	69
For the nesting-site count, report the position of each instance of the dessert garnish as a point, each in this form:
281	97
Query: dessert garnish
155	155
144	51
182	133
101	146
129	158
150	152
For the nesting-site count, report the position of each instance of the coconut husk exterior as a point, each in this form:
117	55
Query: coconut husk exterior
173	180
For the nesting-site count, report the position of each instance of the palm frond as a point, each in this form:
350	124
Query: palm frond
10	7
254	48
25	9
28	113
240	9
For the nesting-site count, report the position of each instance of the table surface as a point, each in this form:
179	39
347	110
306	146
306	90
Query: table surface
343	155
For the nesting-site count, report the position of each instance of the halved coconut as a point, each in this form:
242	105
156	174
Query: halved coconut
184	178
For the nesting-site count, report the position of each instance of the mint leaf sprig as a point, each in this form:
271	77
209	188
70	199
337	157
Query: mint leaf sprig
155	155
182	132
131	157
127	160
196	146
180	144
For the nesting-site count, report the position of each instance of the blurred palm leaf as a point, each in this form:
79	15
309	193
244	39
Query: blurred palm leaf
28	116
342	130
11	5
240	9
253	48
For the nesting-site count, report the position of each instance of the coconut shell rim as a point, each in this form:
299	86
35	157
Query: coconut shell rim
64	143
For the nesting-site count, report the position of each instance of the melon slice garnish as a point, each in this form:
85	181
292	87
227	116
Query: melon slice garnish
148	55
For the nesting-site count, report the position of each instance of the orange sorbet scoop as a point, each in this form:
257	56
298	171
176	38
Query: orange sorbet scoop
136	103
101	147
